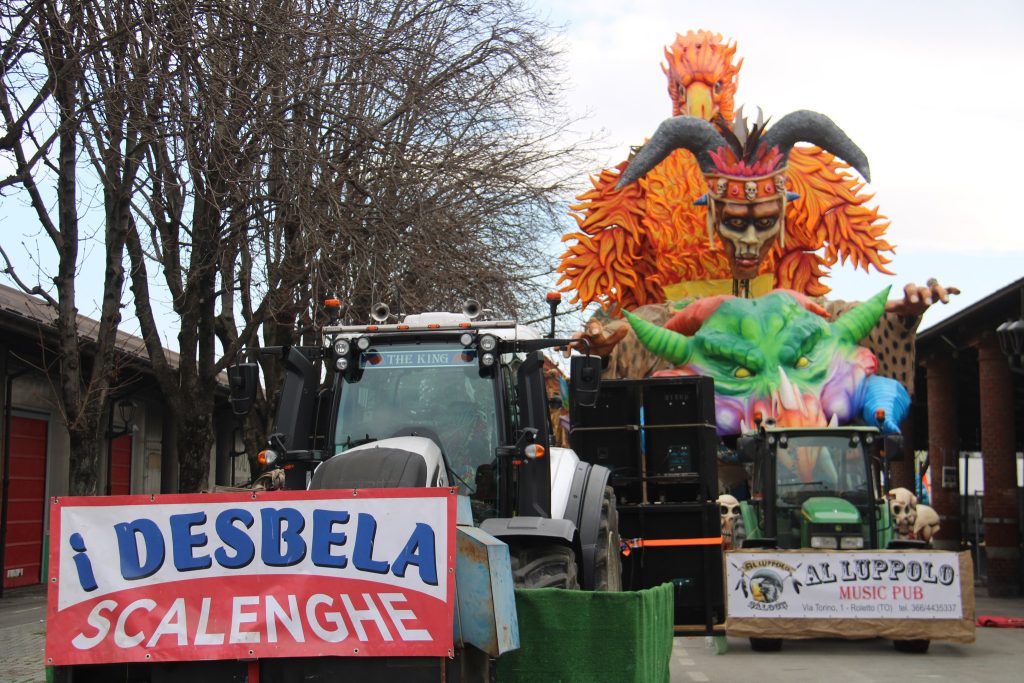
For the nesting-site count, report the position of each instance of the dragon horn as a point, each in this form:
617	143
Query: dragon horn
857	322
667	344
817	129
679	132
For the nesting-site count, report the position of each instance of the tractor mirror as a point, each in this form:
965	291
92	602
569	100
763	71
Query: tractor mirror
585	379
242	381
892	446
746	448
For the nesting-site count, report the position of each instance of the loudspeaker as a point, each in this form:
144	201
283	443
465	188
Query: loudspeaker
695	571
618	404
681	463
679	400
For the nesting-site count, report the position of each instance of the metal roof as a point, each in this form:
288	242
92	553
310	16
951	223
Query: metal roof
33	316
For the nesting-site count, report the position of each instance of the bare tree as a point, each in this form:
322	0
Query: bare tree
52	104
357	148
258	155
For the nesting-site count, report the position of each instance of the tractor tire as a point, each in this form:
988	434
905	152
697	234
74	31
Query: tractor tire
544	566
917	647
766	644
607	562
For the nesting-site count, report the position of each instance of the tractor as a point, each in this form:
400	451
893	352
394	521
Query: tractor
449	399
821	488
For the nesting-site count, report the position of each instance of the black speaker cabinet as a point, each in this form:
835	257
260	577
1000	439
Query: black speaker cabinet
681	463
679	401
694	570
618	404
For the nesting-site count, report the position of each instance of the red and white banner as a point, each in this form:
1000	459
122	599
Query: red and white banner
251	575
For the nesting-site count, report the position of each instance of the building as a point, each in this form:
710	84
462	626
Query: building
34	443
970	398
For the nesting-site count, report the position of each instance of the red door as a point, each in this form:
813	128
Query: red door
120	471
25	504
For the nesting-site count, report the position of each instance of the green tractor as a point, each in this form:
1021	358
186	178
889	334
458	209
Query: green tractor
821	488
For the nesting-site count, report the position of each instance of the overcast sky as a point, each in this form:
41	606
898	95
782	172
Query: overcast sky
926	89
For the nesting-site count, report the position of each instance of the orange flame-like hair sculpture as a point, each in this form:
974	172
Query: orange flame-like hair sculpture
633	242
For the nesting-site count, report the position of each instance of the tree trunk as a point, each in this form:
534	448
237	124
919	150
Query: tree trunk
195	439
87	447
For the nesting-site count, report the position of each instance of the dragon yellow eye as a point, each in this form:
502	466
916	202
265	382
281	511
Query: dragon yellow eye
742	373
803	362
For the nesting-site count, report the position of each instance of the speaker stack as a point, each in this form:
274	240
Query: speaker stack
658	438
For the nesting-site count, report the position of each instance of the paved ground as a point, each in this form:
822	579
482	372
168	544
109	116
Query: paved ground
22	634
996	656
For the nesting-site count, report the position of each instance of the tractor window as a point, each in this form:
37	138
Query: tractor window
821	465
434	387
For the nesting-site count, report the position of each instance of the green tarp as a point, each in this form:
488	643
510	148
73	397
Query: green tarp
588	636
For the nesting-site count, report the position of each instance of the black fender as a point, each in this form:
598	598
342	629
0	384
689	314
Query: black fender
584	510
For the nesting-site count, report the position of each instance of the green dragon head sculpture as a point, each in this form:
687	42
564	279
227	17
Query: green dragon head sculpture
774	357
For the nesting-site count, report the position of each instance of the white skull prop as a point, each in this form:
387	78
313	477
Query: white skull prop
733	532
903	506
750	189
927	524
720	185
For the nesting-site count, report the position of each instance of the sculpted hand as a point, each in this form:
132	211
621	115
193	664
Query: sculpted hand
916	299
602	339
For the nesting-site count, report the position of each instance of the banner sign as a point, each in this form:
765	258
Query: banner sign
844	585
251	575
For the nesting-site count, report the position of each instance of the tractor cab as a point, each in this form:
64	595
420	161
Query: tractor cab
818	487
451	400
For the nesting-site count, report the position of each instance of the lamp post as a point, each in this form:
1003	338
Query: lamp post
1011	342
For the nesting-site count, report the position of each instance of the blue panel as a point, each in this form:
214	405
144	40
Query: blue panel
463	511
485	600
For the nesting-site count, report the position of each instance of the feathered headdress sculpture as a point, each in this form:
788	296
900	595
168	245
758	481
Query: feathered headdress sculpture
745	165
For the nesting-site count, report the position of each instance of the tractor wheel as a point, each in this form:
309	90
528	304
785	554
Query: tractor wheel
607	565
766	644
918	647
544	566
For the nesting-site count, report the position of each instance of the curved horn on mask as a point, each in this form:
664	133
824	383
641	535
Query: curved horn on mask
679	132
671	346
857	322
817	129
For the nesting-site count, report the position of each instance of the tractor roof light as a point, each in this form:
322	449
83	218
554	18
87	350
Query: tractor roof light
341	364
333	307
487	360
341	347
363	343
466	339
488	342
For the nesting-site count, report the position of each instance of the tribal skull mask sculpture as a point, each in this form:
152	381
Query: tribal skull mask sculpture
745	171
